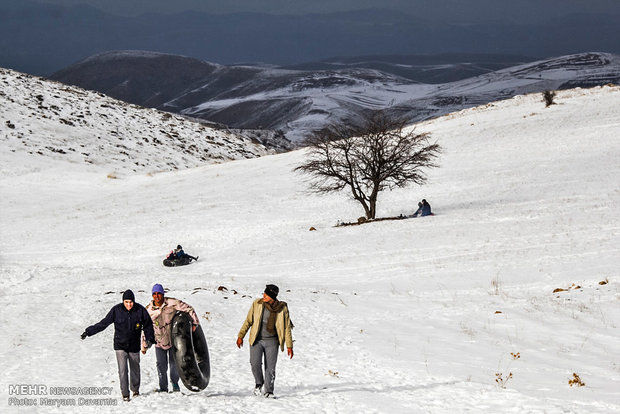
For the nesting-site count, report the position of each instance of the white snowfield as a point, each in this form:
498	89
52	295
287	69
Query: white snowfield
454	313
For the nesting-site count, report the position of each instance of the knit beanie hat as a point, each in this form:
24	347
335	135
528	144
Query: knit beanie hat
272	291
128	295
157	288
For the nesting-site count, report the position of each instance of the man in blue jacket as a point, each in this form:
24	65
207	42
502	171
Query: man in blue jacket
181	254
129	319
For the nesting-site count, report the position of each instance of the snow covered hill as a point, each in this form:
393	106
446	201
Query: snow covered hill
299	102
565	72
492	305
55	121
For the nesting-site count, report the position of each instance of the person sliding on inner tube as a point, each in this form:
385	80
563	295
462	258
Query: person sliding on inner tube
178	253
270	325
162	309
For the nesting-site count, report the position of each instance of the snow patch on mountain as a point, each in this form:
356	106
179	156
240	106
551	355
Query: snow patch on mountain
343	95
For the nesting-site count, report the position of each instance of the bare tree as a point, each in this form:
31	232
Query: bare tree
380	154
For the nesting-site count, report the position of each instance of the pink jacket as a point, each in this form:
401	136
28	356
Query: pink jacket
162	317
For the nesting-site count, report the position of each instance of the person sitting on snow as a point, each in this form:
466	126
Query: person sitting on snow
424	209
178	253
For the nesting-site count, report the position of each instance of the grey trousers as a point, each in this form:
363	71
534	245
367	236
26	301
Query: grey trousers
164	357
267	350
122	360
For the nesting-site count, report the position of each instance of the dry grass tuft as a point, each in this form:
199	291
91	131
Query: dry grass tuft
576	381
500	380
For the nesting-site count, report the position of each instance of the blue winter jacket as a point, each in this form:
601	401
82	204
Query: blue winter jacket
128	326
426	209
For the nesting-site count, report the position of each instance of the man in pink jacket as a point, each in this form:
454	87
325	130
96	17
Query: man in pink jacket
162	309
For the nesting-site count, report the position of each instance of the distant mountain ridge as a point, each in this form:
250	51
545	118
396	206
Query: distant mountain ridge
144	78
298	102
436	68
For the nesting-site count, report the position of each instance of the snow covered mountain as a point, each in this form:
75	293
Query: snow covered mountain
581	70
52	120
435	68
299	102
492	305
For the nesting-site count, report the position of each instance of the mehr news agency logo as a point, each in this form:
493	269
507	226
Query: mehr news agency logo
25	395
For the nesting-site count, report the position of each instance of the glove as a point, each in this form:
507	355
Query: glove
149	344
84	335
239	342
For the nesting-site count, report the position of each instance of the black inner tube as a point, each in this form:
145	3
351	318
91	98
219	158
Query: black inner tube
177	262
190	352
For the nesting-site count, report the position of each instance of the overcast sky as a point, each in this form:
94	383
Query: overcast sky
534	28
518	10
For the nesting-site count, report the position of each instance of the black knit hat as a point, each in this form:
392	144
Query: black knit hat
128	295
272	291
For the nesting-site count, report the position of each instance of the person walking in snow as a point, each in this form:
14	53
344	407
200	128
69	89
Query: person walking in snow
161	310
130	319
270	326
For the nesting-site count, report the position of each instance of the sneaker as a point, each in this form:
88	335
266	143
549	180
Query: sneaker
161	390
175	388
258	390
136	393
269	395
126	398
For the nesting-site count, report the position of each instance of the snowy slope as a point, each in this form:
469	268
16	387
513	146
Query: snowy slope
68	123
408	316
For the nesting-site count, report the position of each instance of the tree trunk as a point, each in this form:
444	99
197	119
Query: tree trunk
373	201
367	209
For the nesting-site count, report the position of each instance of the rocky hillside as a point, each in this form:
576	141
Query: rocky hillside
44	118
